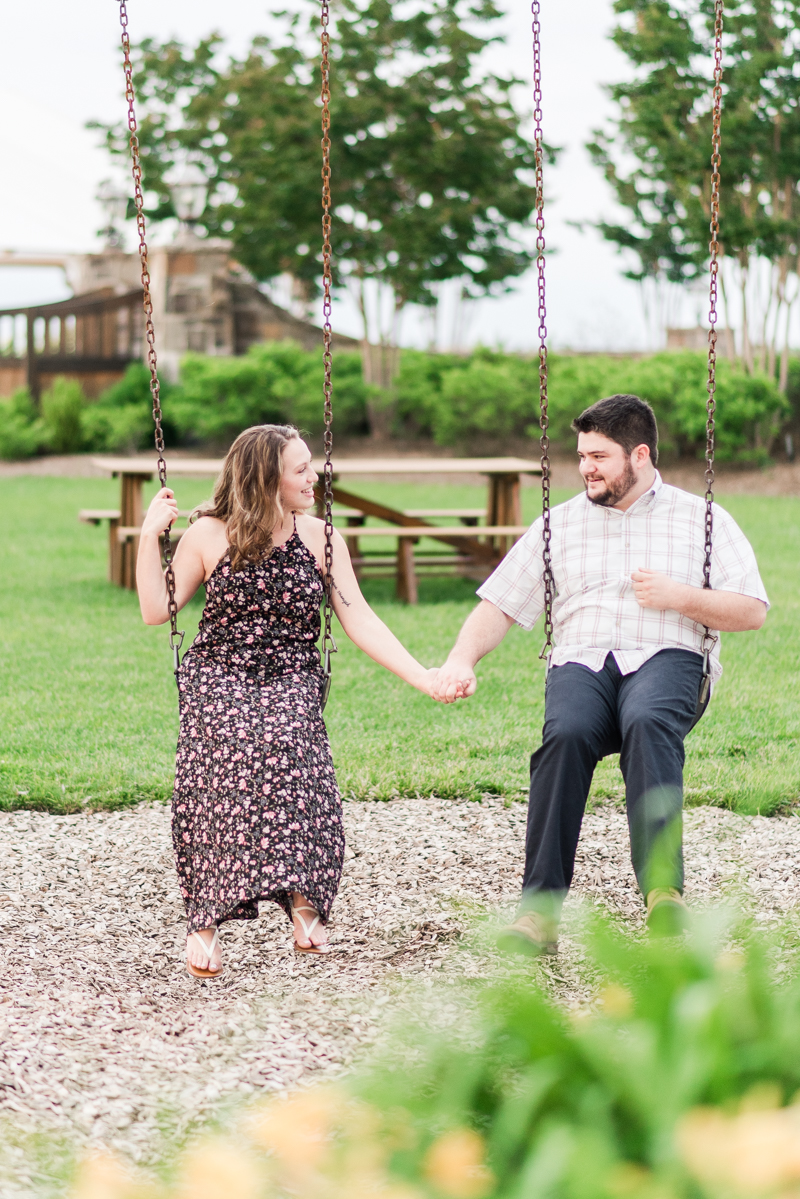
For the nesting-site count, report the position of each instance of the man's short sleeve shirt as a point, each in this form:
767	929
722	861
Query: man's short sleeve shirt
595	549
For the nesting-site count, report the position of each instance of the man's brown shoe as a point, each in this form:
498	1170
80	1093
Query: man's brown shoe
531	934
667	913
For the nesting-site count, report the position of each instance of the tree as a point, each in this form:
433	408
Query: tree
664	124
432	177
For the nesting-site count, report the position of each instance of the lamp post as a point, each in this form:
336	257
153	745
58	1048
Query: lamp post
114	202
189	190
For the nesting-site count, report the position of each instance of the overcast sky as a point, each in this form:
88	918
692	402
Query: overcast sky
60	66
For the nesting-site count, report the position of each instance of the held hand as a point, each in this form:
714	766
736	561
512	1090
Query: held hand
431	686
456	680
162	513
428	684
427	681
655	590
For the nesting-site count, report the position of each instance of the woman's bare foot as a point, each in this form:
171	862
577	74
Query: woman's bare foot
195	944
304	916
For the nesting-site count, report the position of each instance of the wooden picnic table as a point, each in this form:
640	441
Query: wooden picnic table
480	547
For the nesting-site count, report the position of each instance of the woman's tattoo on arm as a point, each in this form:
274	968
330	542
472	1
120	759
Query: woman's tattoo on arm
341	597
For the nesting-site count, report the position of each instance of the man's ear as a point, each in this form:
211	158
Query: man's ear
641	456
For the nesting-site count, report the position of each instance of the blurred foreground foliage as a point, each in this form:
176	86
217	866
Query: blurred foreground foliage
678	1081
483	399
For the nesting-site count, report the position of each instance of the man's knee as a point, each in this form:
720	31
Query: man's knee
580	710
659	701
570	732
652	726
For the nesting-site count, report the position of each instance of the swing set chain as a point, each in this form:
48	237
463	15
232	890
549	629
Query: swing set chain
175	637
328	643
711	402
544	419
711	386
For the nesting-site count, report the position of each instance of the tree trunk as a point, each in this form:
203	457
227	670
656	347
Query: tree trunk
783	377
783	272
381	366
730	342
747	353
762	349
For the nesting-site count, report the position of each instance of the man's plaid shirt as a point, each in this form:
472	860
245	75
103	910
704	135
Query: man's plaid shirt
594	551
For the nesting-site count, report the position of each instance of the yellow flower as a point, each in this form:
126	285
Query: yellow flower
616	1001
399	1190
763	1097
626	1180
298	1130
219	1170
104	1177
753	1153
455	1165
730	961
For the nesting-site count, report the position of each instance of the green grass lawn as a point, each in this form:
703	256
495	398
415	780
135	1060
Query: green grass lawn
88	713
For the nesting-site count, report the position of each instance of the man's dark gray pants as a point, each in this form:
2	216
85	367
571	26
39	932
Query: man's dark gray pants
643	716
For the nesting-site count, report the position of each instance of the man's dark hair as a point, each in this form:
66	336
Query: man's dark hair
625	419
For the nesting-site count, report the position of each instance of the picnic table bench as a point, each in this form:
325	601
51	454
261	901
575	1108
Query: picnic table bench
119	536
473	548
406	563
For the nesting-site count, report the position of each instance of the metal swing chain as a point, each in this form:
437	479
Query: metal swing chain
175	636
544	419
328	642
711	386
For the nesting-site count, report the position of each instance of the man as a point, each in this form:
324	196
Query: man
629	616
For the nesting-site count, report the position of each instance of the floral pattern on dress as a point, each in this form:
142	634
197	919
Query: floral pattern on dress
256	812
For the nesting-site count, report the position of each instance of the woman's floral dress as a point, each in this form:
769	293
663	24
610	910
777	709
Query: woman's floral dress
256	812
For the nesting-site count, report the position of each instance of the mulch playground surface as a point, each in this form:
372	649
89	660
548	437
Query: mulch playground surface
106	1040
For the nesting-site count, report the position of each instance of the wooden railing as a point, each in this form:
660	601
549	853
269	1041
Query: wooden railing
88	334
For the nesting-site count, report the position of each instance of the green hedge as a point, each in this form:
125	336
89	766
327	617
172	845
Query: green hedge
58	429
22	433
460	401
496	395
272	383
218	397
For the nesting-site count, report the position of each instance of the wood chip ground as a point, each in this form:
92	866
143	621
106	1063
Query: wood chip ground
106	1040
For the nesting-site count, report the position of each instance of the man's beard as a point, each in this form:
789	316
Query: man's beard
616	490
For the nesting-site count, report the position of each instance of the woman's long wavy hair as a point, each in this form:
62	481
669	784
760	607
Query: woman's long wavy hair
247	492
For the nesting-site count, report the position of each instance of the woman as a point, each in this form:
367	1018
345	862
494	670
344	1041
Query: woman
256	811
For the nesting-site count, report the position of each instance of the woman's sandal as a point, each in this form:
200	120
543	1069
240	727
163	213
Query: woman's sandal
208	950
308	930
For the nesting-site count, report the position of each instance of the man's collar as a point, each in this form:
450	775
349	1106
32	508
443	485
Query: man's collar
647	497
